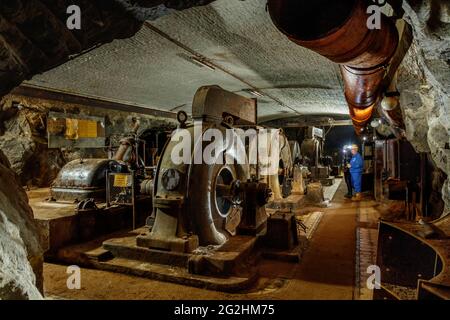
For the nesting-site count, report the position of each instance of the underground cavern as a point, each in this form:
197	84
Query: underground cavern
225	150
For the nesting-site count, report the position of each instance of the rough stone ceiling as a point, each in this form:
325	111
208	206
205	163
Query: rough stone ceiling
154	69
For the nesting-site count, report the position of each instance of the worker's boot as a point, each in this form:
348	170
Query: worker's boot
357	197
348	196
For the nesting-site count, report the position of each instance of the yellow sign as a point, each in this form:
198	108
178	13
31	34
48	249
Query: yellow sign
76	128
121	180
71	129
87	129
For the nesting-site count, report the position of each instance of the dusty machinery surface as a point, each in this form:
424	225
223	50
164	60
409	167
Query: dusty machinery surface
80	180
300	173
296	152
210	218
281	184
312	152
206	204
414	260
85	179
94	197
195	204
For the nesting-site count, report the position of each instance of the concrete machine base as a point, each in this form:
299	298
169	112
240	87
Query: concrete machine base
293	202
62	224
232	267
316	194
328	182
217	206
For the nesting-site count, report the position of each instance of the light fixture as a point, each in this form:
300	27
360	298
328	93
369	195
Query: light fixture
391	101
203	62
375	123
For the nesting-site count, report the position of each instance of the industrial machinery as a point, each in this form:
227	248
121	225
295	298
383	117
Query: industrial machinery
93	197
201	204
295	151
281	184
209	218
86	179
82	179
300	172
413	241
413	259
312	151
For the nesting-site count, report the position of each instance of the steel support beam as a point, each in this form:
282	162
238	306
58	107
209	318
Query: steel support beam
46	94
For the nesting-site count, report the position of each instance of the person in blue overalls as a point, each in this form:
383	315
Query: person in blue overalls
348	178
356	167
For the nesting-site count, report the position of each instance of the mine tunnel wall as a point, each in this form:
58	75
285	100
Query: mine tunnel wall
26	160
23	135
424	84
21	255
22	132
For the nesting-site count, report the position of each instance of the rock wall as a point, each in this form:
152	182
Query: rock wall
21	257
23	135
424	83
142	10
34	36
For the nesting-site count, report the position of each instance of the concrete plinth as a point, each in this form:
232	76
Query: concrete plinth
225	268
318	173
293	202
61	224
328	182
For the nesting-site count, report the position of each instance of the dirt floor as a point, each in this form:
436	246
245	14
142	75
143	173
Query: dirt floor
327	270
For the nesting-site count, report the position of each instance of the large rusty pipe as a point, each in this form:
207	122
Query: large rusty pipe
338	31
